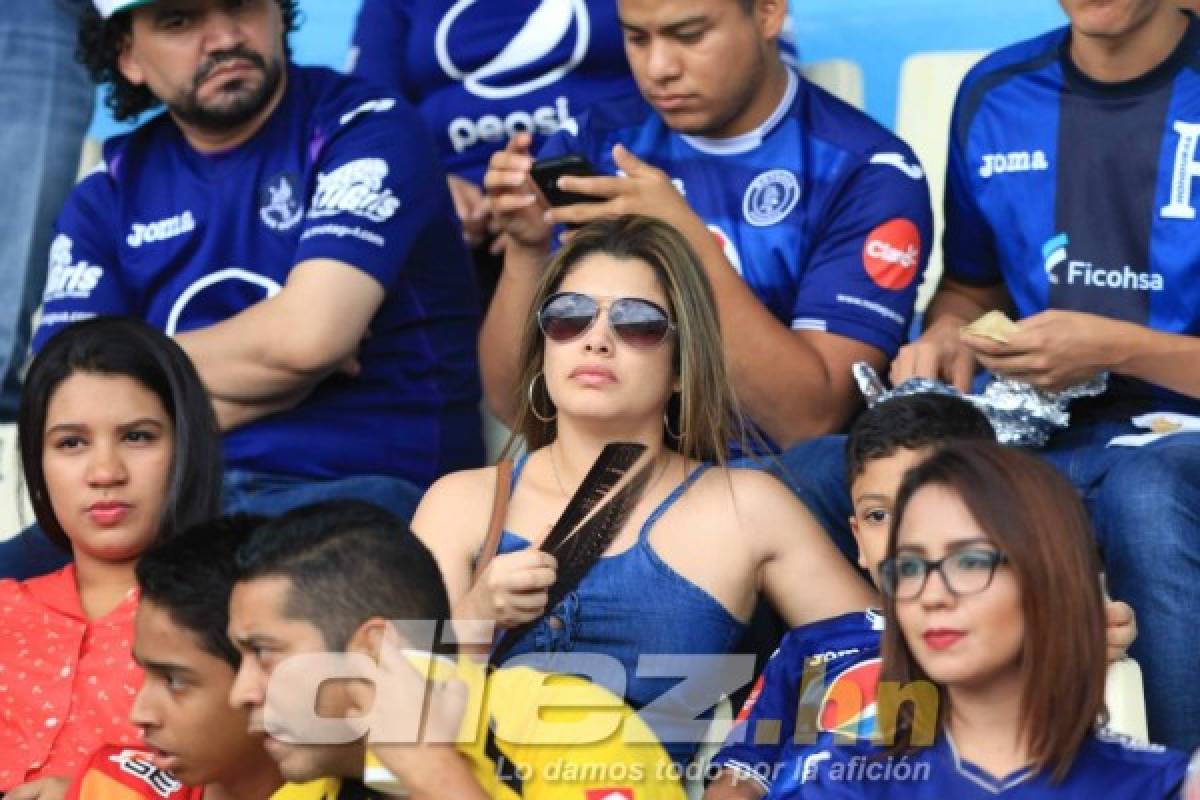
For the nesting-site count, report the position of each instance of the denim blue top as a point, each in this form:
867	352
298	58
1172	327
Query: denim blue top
632	604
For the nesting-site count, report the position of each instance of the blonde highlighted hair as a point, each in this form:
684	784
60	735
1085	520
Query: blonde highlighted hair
705	414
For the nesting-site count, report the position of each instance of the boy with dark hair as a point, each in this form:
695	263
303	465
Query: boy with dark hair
821	683
197	746
337	576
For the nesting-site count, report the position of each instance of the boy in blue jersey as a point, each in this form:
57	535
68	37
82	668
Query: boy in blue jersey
811	220
820	686
1071	198
292	229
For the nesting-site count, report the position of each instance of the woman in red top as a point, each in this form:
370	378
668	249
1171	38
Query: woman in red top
120	448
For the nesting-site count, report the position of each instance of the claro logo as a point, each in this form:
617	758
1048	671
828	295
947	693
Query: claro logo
892	253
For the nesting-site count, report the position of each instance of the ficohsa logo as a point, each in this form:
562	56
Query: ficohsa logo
892	253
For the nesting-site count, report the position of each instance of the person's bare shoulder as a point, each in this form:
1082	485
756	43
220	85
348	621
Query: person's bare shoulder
458	501
765	506
752	495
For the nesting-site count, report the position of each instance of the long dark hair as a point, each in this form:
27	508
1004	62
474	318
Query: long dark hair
1034	516
100	44
120	346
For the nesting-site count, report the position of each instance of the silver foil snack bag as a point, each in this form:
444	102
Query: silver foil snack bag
1022	415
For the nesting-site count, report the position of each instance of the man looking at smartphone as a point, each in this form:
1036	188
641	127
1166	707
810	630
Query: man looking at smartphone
812	221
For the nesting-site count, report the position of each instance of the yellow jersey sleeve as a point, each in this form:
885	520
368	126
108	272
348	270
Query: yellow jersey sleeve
560	737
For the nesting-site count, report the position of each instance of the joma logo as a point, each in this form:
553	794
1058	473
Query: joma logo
1016	161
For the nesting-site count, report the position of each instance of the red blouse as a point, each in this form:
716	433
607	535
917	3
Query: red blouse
67	683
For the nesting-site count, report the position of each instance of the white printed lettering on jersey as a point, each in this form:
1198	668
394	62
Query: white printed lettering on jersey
898	161
527	53
137	764
1087	274
465	132
1187	170
68	280
907	258
161	231
355	188
1128	742
770	197
1016	161
369	107
832	655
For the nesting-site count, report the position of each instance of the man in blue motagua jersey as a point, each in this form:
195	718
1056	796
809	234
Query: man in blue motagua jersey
812	221
291	227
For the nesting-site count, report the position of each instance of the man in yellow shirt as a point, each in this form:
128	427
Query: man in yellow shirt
328	675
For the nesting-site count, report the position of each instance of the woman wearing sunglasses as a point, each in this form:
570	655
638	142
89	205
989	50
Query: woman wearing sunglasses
623	344
994	604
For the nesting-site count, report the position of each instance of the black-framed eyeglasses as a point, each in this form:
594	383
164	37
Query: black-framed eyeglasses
635	321
964	572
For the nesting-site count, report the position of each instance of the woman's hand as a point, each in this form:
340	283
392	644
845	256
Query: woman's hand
44	789
513	590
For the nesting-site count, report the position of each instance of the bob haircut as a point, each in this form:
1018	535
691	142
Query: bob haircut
130	348
1034	516
705	414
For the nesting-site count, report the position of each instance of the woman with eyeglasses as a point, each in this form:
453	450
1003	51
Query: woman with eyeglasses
995	628
623	344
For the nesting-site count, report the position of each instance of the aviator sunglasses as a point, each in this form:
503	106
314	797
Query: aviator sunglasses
636	322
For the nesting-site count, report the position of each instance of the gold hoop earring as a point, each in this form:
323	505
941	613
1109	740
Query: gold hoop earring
533	409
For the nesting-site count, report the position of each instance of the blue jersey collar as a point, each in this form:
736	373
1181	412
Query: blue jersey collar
980	777
751	140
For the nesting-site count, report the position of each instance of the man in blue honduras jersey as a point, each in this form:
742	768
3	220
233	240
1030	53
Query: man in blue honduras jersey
292	229
1072	193
812	221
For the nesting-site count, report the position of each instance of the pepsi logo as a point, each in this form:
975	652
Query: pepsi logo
849	705
527	61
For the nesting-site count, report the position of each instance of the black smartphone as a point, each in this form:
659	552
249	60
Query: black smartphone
546	173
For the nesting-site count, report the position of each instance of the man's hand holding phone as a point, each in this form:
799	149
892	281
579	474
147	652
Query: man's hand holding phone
546	174
528	213
640	189
518	210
